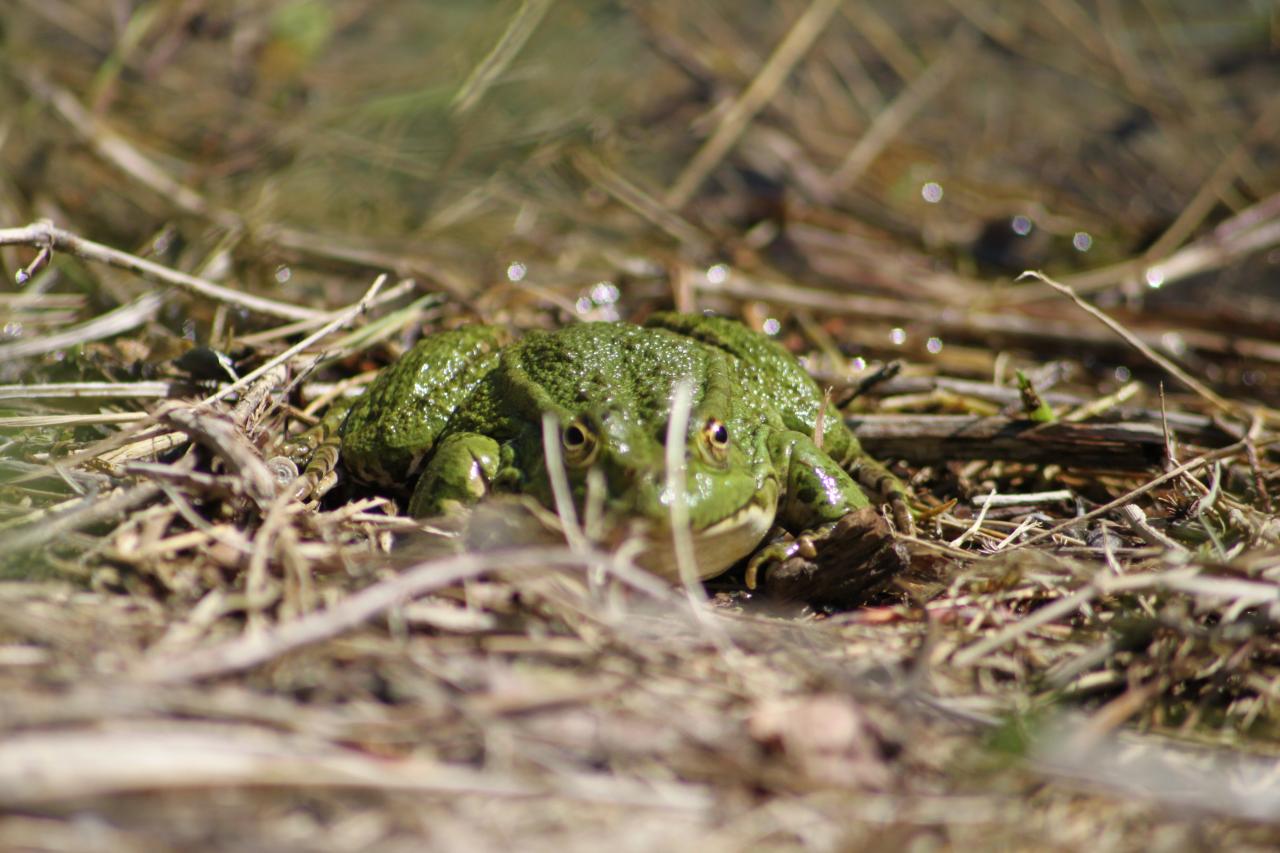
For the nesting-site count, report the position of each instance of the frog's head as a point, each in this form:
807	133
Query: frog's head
617	459
610	389
619	462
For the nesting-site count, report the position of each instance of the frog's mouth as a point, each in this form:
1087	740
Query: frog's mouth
719	545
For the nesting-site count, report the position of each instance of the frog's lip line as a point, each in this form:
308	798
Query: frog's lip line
763	502
754	517
747	516
717	546
758	507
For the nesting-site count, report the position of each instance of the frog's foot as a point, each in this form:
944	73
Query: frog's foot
839	565
315	451
319	476
781	548
901	509
302	447
459	474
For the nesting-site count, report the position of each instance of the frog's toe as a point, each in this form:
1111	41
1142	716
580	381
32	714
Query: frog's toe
778	551
312	486
806	547
902	517
784	548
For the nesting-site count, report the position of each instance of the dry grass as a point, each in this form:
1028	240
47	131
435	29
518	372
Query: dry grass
1085	648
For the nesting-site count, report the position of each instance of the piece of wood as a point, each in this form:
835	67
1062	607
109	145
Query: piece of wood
922	439
853	560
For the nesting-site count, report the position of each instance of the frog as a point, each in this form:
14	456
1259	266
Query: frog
462	415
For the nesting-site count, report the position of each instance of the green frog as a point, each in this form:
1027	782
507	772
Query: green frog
463	412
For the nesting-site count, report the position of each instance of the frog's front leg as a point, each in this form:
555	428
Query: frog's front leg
459	474
817	493
817	490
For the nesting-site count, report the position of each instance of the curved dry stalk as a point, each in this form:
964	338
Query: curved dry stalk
1228	407
42	234
340	319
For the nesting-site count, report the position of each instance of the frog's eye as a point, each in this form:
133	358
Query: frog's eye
579	443
716	435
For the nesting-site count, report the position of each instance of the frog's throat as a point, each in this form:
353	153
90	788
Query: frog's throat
719	545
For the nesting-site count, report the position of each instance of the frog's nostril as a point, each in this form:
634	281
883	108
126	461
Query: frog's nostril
646	491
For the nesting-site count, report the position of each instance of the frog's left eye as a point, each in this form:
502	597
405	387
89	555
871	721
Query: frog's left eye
716	435
579	443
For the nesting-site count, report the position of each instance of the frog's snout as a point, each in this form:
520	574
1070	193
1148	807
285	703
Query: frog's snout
645	495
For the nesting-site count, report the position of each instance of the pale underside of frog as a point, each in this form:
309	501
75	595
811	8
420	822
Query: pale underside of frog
464	412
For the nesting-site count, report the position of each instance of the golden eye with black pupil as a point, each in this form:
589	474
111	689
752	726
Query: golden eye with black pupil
716	435
574	437
579	443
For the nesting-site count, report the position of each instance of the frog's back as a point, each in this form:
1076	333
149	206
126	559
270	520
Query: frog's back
769	377
392	427
615	367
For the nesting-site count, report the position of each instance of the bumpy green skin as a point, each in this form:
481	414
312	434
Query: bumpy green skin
466	413
392	427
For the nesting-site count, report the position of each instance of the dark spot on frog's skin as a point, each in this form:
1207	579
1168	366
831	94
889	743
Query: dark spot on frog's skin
807	495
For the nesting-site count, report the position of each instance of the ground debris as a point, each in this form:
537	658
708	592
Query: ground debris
1079	644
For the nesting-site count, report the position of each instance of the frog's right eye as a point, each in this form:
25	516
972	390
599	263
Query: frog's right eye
579	443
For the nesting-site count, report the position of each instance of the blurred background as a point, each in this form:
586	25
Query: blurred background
594	157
